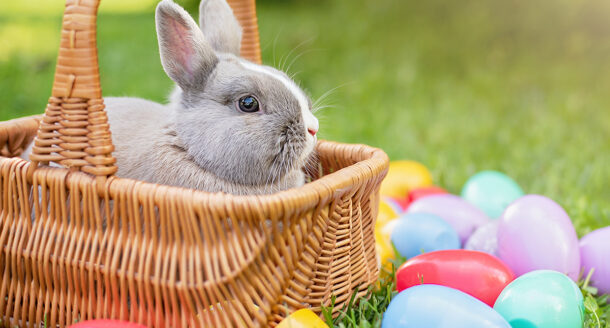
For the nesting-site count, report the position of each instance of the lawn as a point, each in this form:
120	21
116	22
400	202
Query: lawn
461	86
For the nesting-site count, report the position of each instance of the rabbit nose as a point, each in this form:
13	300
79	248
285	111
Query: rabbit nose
312	131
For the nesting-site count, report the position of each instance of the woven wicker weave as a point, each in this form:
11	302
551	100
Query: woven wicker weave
78	243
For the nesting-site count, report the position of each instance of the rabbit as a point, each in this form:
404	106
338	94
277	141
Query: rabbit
231	125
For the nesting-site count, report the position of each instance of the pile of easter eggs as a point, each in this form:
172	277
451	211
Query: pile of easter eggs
491	257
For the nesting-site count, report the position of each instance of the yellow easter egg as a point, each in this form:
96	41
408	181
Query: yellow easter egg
385	215
404	176
383	234
384	251
303	318
383	244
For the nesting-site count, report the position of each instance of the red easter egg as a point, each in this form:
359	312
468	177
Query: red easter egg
475	273
418	193
103	323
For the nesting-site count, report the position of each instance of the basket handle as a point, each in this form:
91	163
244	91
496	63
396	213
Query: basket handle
74	129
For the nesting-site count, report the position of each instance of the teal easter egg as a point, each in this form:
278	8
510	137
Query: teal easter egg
491	191
542	299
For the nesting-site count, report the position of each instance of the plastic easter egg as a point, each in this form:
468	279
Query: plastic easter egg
542	299
393	203
595	254
464	217
386	231
433	306
418	193
384	244
485	238
386	214
416	233
491	191
477	274
535	233
385	253
404	176
402	203
106	324
303	318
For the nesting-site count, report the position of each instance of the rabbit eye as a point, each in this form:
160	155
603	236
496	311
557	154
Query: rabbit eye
248	104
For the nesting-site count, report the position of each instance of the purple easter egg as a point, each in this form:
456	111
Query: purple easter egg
595	253
535	233
485	238
464	217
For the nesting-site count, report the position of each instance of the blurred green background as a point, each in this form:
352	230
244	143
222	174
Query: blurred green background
461	86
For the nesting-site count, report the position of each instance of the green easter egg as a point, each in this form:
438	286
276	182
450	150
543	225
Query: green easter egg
491	191
542	299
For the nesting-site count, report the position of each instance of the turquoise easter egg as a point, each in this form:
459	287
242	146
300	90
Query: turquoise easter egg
491	191
542	299
434	306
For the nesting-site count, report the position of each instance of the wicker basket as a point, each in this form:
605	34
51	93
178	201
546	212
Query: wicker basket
78	243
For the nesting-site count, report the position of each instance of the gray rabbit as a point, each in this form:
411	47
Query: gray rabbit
231	125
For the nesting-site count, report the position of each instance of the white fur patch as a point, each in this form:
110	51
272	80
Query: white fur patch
311	122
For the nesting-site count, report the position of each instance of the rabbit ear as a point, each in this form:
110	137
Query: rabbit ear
220	26
186	56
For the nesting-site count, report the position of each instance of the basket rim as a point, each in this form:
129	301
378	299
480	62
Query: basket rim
375	161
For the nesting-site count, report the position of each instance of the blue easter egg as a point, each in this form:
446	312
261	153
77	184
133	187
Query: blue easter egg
415	233
428	306
491	191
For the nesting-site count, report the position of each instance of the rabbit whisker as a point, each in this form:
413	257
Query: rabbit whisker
274	44
316	109
309	165
327	93
296	58
285	58
293	75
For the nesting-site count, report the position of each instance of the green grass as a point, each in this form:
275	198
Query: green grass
461	86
